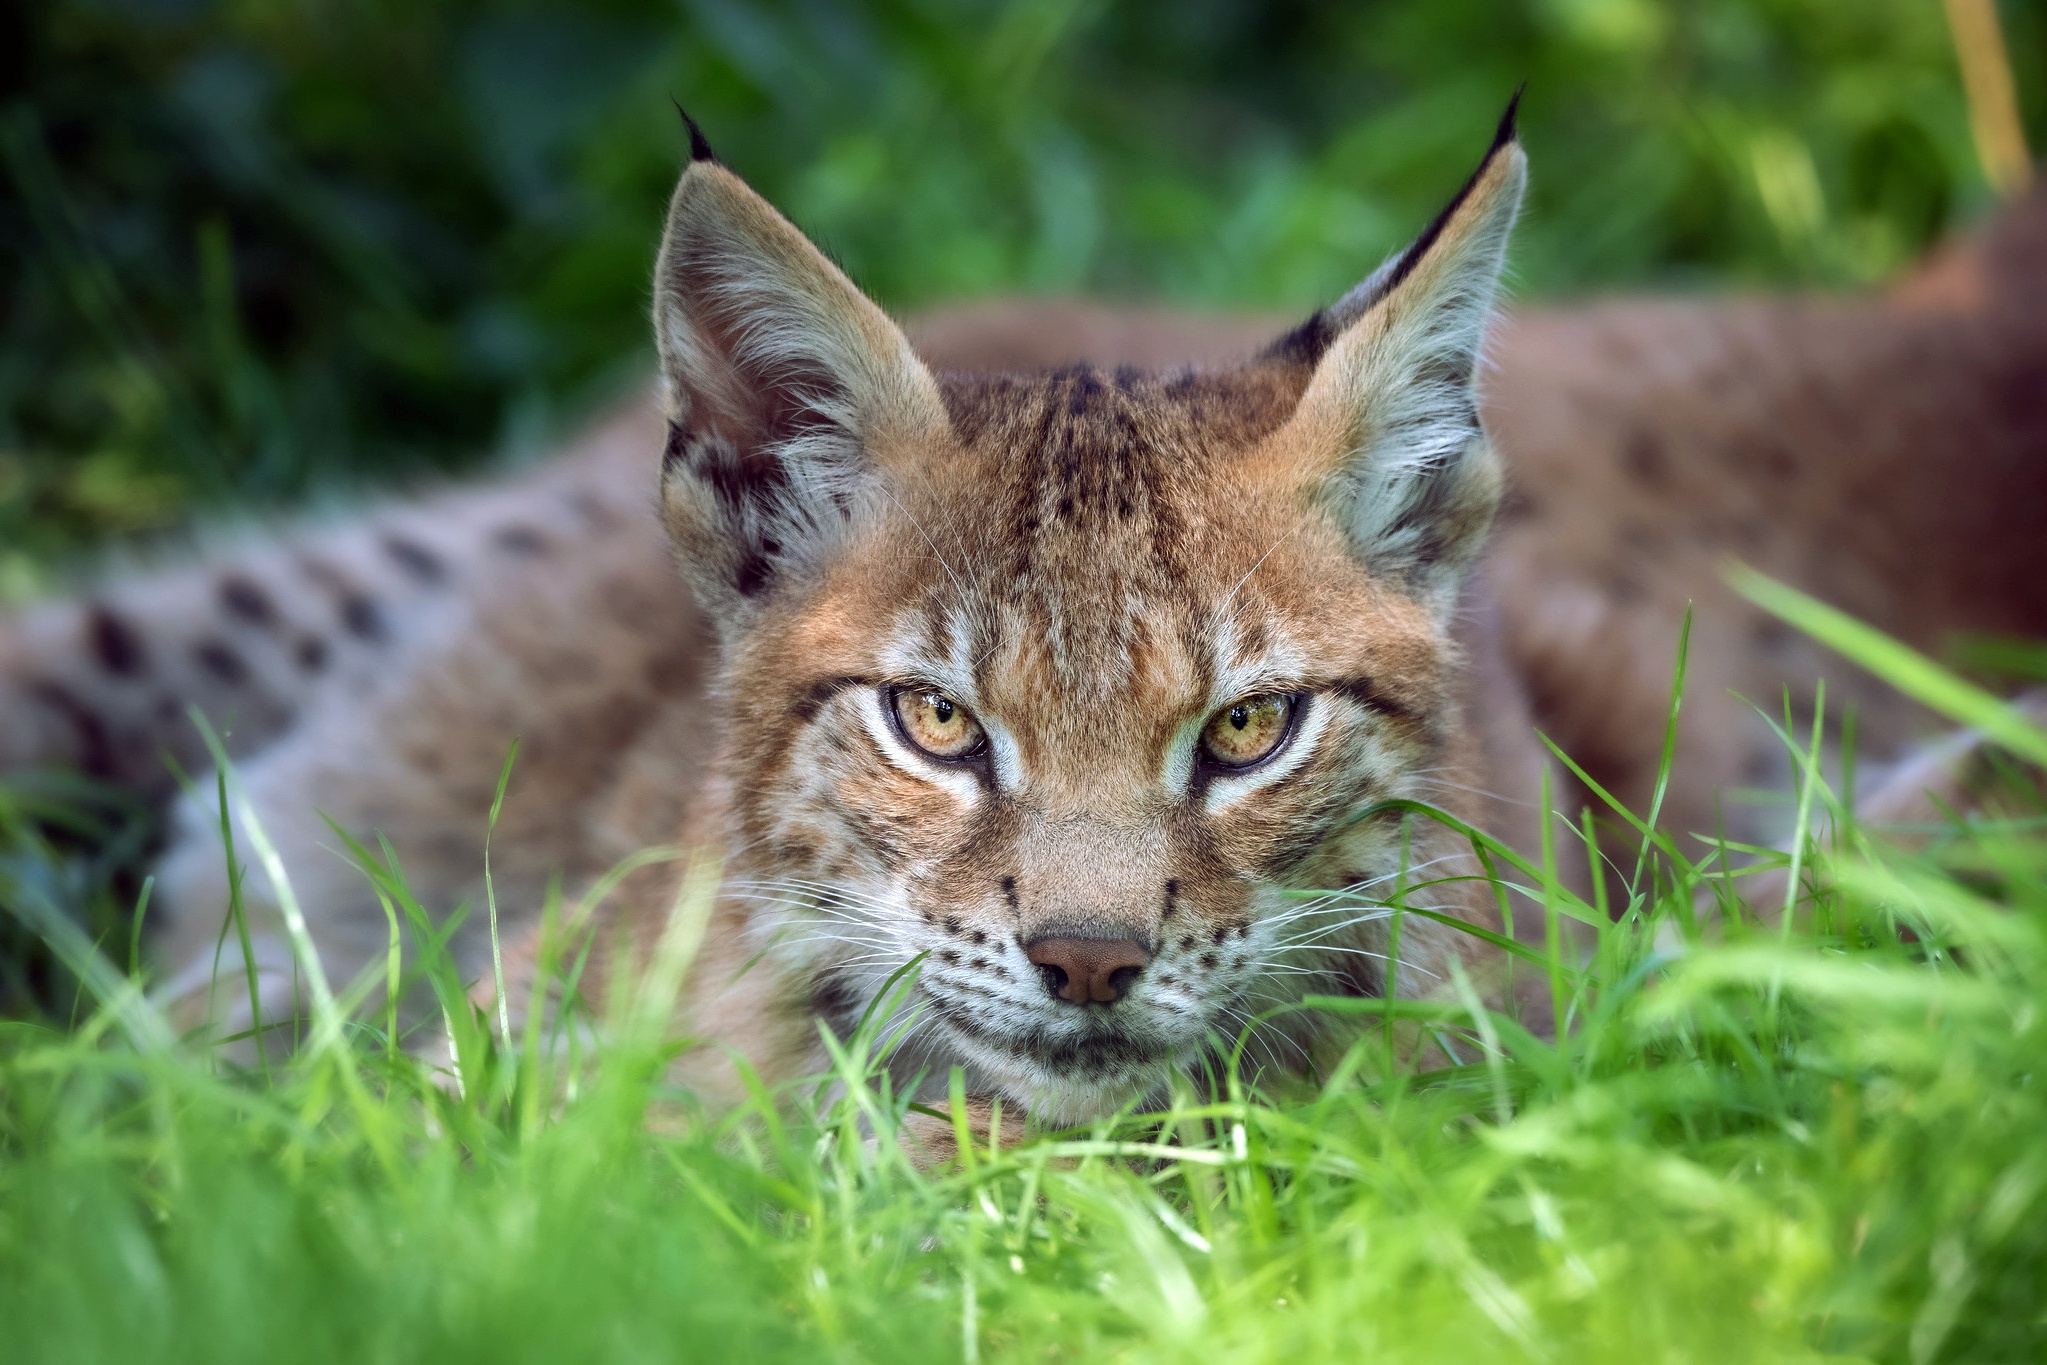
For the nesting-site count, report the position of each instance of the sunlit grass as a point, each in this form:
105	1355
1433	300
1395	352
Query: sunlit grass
1761	1137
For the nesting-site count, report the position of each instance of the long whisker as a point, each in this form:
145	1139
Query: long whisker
1366	883
1262	1032
851	921
1475	791
966	599
1216	622
826	890
800	899
839	907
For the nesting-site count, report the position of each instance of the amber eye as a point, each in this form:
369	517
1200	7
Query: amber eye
1248	731
936	723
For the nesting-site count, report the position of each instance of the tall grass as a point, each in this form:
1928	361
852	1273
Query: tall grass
1760	1137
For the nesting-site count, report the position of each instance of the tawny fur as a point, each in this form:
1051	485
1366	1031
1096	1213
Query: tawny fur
1089	551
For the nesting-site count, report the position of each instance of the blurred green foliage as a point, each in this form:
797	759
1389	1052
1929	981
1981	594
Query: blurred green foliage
252	246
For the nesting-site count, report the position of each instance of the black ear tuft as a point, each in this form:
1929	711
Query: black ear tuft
1402	462
1307	342
699	145
1508	131
1503	137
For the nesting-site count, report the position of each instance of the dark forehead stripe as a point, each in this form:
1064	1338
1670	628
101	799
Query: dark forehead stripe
1090	450
1086	486
1093	462
1217	408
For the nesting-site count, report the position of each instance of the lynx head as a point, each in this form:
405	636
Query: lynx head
1071	681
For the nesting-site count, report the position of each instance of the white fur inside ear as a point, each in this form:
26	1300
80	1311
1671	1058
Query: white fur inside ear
1415	481
784	382
749	314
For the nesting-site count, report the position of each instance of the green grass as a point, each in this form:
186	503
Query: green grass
1760	1138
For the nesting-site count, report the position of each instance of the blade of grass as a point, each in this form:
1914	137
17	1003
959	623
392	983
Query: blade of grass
1897	664
490	894
237	910
1668	753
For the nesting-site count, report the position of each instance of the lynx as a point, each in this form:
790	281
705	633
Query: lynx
1094	691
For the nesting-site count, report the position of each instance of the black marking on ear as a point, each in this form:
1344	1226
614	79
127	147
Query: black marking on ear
115	643
699	145
244	600
676	449
1306	343
740	483
1433	523
1509	129
416	559
753	575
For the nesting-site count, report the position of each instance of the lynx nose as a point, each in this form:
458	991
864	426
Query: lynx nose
1088	970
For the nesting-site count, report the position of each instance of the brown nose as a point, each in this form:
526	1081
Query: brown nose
1088	970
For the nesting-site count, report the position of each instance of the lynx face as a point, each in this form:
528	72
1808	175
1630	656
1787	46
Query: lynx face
1068	681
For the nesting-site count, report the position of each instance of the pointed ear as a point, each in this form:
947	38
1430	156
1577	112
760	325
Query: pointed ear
1386	433
786	389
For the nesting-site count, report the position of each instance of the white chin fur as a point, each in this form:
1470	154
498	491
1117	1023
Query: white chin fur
1064	1101
1069	1104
